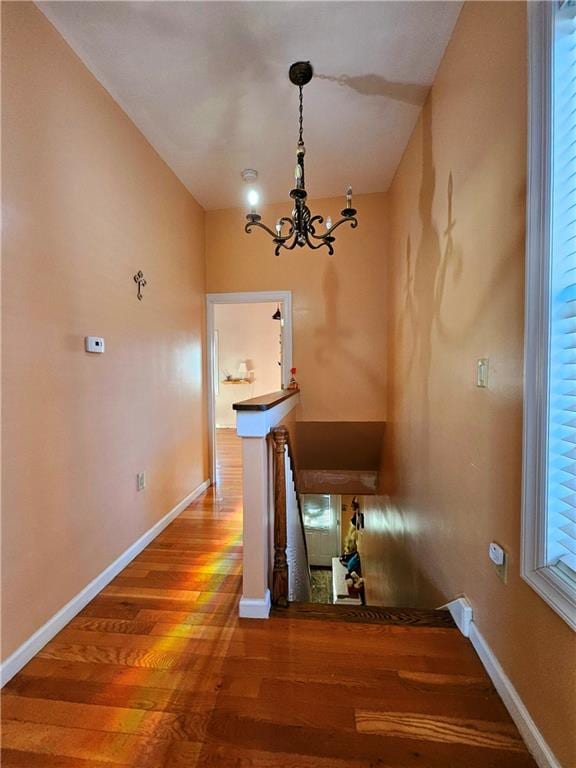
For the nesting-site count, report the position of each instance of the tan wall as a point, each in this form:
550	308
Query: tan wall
339	305
87	203
246	333
391	570
457	208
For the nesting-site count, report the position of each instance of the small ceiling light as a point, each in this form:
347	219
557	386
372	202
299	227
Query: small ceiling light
249	175
301	228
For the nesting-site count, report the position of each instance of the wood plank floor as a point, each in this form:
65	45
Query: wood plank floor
158	672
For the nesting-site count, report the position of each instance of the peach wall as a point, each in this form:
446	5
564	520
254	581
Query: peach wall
87	203
339	306
457	222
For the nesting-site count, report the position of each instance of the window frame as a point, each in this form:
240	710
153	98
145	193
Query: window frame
546	580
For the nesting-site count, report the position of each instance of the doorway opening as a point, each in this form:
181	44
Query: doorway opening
249	354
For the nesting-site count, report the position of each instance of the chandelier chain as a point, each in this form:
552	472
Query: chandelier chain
301	116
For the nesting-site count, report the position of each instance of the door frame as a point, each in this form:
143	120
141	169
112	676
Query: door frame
243	297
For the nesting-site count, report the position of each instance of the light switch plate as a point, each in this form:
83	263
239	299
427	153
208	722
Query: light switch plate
482	372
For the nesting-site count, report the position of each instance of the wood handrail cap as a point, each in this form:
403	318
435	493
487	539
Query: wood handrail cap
265	402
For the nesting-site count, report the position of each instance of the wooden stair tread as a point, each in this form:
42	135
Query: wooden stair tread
368	614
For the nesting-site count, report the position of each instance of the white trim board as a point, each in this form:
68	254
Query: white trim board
511	698
461	611
255	607
38	640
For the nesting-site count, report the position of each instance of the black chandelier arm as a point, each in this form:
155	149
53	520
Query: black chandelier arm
281	243
279	239
353	221
252	223
325	241
312	229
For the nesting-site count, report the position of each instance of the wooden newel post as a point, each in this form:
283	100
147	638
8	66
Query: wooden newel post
280	571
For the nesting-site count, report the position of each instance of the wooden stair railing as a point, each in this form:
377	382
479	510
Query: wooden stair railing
280	580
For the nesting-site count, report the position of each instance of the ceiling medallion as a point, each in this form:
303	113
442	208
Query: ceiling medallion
301	228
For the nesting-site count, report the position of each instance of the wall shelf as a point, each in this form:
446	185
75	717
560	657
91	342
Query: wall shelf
237	381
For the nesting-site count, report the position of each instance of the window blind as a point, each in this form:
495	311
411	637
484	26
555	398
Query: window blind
560	533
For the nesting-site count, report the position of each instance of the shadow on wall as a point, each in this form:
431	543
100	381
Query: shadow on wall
414	321
335	342
427	313
427	275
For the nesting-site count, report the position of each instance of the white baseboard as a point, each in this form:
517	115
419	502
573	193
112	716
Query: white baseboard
38	640
461	612
255	608
533	738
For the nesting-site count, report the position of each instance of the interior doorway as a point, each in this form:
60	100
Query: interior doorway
249	342
247	356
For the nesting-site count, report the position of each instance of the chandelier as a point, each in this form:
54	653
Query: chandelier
302	228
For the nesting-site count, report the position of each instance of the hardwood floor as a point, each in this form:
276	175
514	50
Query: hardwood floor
158	672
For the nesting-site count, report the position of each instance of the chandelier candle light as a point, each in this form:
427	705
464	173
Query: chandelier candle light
301	228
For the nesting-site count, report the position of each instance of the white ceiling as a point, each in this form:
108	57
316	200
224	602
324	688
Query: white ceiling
207	84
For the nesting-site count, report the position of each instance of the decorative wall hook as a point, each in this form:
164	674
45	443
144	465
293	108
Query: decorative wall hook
141	282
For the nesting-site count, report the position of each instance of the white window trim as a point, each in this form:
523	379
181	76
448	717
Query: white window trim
547	581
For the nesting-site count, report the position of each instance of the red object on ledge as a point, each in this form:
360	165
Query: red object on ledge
292	384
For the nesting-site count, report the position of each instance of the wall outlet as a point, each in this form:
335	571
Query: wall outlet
498	555
140	481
